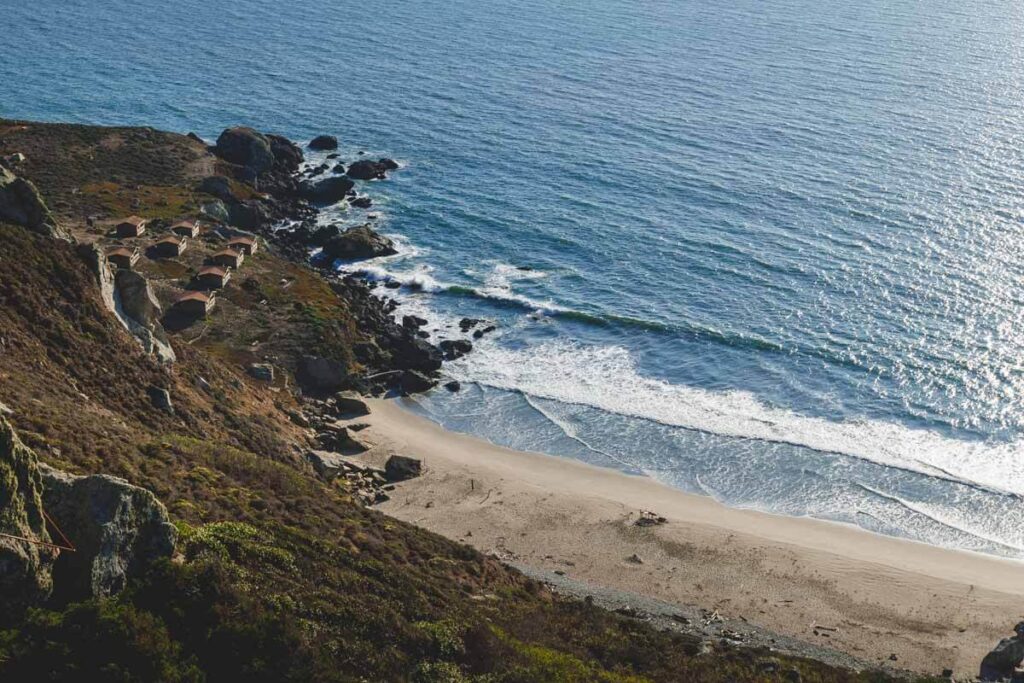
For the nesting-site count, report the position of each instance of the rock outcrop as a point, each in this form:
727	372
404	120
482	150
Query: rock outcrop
21	203
245	147
129	297
117	529
321	375
362	242
25	568
139	311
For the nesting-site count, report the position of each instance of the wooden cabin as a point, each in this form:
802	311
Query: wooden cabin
133	226
229	258
123	257
170	246
186	229
246	245
213	277
195	304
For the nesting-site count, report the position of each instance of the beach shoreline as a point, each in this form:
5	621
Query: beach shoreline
885	601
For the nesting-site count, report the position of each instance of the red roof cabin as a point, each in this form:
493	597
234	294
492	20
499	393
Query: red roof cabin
213	277
186	228
133	226
123	257
229	258
172	245
195	304
246	245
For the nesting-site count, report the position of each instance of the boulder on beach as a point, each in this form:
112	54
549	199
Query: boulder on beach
321	375
400	468
349	404
323	142
366	169
414	382
362	242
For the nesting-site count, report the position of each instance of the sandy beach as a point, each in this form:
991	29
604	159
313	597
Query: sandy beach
871	596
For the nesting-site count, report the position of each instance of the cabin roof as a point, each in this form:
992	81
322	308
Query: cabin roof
133	220
170	239
121	251
194	296
212	270
242	240
228	252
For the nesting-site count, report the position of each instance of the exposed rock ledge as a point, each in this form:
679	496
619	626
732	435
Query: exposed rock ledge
117	529
21	203
129	297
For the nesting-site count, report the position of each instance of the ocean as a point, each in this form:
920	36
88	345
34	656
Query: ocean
770	253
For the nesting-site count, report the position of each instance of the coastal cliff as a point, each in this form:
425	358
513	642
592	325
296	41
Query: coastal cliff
277	567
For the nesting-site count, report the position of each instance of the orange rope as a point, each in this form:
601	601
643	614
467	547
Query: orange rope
68	544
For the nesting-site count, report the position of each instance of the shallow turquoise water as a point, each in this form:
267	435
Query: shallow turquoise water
775	254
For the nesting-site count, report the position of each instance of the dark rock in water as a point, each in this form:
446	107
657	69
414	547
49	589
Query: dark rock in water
350	404
415	354
314	237
286	153
219	186
21	203
466	324
333	155
363	202
245	147
422	334
25	568
362	242
366	169
338	168
328	190
117	529
412	322
400	468
393	284
481	332
456	348
321	375
414	382
161	399
453	386
324	142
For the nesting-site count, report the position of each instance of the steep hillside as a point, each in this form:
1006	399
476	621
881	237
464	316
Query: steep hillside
279	575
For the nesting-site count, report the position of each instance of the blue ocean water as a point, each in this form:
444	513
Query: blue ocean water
767	252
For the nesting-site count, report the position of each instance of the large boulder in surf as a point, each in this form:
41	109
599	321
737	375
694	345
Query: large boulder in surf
327	191
323	143
286	153
358	243
245	147
21	203
25	566
367	169
117	529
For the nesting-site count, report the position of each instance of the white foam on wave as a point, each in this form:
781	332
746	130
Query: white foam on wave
607	378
